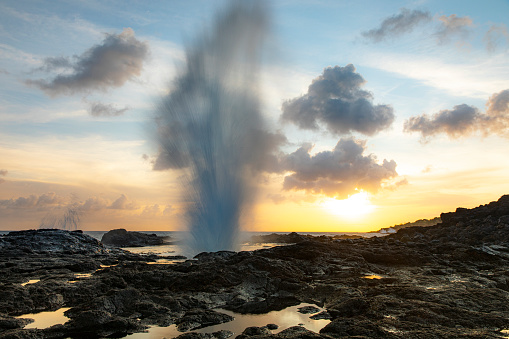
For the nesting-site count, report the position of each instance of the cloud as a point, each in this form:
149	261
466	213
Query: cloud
495	37
33	201
337	173
3	71
464	120
336	100
3	173
457	122
453	25
51	64
118	59
498	104
98	109
496	119
151	211
406	20
95	204
397	24
123	203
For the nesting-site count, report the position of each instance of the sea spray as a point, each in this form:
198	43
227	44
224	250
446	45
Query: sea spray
211	128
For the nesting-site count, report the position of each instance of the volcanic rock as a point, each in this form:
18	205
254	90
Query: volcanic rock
198	318
308	310
254	331
49	241
122	238
223	334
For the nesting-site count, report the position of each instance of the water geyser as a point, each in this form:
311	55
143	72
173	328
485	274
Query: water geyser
210	126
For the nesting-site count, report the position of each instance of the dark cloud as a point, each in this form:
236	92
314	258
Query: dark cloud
397	24
98	109
336	173
459	121
336	100
3	172
496	119
447	27
495	37
453	26
51	64
118	59
464	120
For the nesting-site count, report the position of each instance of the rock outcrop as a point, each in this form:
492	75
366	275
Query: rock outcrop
51	241
122	238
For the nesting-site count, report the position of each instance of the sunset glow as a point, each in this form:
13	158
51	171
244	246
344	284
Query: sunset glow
355	207
368	114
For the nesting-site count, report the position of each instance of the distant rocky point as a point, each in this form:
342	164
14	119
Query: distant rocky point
480	226
420	223
123	238
295	238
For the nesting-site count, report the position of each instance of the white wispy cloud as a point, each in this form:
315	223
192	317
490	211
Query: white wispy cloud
478	78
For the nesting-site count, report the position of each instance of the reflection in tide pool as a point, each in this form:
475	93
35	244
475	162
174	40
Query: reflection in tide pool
284	319
46	319
29	282
372	276
174	250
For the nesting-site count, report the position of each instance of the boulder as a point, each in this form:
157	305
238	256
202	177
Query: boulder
122	238
43	241
198	318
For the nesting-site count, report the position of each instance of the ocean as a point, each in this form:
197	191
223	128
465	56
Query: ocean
175	249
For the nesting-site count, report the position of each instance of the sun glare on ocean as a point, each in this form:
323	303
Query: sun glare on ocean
356	206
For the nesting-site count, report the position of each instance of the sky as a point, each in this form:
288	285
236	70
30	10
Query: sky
381	112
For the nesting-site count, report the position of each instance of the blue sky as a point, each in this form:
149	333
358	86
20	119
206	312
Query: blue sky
53	145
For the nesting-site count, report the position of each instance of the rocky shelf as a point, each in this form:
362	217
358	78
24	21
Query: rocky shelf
123	238
445	281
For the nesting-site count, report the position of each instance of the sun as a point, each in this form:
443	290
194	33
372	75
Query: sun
355	207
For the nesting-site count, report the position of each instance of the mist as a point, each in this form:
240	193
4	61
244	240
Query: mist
211	129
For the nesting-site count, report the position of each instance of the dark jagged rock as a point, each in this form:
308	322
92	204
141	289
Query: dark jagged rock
49	241
254	331
484	225
122	238
9	323
308	310
198	318
291	238
223	334
295	238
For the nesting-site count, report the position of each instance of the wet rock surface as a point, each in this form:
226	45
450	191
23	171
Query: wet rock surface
444	281
122	238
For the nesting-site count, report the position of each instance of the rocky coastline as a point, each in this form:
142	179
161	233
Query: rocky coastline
450	280
123	238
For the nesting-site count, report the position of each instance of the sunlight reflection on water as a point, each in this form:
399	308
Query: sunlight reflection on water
46	319
31	281
285	318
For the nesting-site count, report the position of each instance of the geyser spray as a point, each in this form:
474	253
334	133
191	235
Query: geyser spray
210	125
